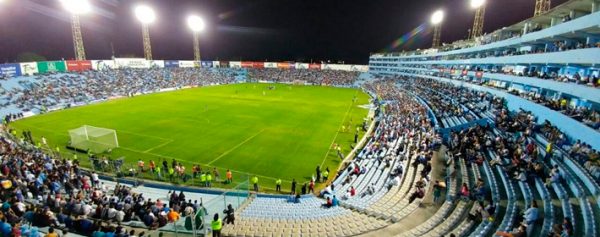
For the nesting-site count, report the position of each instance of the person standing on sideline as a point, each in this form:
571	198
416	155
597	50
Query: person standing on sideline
216	225
216	174
141	165
293	189
203	179
325	175
356	137
338	149
152	166
318	170
194	171
278	185
165	165
229	177
255	183
208	179
158	174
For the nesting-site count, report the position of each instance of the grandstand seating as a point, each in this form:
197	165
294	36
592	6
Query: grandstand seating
495	78
460	91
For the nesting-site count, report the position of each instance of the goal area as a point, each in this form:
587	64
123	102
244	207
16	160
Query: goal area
93	139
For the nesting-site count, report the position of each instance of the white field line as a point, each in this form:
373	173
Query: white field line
236	146
338	131
159	146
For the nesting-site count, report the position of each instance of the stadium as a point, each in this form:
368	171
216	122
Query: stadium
492	134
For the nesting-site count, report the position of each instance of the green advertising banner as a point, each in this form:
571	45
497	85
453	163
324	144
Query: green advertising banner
52	66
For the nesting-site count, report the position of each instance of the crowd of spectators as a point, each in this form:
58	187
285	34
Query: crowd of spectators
583	153
515	148
39	190
405	116
310	76
70	89
66	89
590	79
520	157
586	115
400	117
582	114
446	100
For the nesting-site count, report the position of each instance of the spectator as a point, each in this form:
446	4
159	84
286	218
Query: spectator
229	215
530	217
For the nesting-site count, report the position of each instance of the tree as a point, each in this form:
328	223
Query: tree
30	57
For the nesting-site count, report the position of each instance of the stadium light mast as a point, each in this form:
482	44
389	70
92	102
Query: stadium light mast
197	25
541	7
76	8
436	20
479	6
145	15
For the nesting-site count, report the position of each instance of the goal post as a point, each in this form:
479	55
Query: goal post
94	139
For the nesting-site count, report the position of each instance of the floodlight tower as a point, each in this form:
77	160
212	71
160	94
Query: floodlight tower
541	7
145	15
76	8
196	24
479	6
436	21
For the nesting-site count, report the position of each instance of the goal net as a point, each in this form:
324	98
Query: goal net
94	139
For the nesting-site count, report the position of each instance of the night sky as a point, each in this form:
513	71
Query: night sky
253	30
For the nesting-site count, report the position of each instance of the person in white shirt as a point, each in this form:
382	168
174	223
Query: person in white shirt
189	210
95	179
120	216
21	207
86	209
346	195
326	191
112	212
394	182
104	187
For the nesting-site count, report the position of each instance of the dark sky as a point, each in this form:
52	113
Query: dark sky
273	30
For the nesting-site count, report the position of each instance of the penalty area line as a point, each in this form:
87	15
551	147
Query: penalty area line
158	146
236	146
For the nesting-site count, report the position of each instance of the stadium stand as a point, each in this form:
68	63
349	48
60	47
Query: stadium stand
538	133
514	114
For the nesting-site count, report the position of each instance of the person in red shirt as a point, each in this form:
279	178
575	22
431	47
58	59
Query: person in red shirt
352	191
328	204
464	191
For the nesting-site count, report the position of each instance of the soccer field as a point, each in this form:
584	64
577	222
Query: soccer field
282	133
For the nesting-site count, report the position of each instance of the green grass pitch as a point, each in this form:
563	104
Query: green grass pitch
282	133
